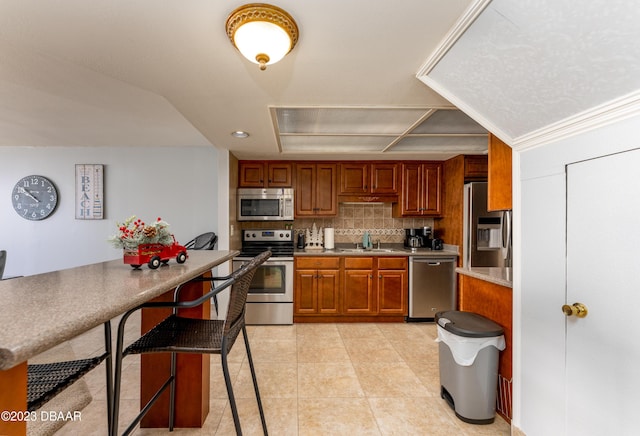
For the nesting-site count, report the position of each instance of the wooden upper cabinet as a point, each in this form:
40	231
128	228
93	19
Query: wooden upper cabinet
475	168
499	180
368	178
421	188
316	190
251	174
279	175
354	178
411	199
260	174
384	178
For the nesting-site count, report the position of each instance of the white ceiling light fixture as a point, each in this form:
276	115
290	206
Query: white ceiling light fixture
240	134
263	33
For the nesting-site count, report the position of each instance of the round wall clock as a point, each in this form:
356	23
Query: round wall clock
34	197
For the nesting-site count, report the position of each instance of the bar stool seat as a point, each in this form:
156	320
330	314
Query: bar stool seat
176	334
45	381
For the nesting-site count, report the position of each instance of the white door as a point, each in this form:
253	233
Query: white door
603	273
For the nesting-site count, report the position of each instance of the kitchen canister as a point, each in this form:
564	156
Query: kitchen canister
329	238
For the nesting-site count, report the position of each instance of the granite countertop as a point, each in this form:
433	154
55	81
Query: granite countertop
43	310
384	250
499	276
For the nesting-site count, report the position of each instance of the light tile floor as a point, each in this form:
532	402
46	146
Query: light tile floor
315	379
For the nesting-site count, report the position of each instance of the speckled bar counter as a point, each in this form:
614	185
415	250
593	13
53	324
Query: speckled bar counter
499	276
38	312
41	311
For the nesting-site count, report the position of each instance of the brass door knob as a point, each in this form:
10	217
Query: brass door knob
576	309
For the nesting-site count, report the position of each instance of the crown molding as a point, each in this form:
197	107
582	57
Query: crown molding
599	116
463	23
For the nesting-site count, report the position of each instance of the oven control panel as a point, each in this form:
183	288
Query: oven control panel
262	235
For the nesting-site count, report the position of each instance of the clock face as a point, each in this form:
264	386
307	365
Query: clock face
34	197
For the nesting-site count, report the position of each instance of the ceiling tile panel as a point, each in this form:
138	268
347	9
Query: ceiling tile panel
345	120
449	121
327	144
376	130
471	144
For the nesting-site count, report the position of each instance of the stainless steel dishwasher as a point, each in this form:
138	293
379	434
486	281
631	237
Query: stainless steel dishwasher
431	286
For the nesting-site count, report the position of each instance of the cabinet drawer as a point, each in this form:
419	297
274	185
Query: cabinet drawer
358	263
392	263
318	262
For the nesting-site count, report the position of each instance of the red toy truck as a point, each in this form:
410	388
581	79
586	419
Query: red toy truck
155	254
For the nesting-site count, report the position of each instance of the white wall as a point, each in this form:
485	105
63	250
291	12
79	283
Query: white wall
540	281
179	184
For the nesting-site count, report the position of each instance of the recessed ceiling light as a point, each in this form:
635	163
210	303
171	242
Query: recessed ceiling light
240	134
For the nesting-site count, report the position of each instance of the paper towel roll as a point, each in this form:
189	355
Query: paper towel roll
328	238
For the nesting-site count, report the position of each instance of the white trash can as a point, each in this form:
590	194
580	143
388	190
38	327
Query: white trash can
469	347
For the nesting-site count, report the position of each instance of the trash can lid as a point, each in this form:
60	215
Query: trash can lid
468	324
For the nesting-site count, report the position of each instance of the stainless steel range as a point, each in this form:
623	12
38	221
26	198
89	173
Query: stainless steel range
270	299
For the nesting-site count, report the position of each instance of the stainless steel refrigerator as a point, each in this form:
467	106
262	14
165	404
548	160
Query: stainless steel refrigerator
487	235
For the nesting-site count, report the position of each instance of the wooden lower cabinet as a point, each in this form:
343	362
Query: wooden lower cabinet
393	285
495	302
316	286
350	289
358	287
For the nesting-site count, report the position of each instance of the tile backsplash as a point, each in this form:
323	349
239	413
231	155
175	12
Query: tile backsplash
355	218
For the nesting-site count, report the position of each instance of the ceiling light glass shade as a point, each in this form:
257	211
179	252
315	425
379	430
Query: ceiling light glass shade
263	33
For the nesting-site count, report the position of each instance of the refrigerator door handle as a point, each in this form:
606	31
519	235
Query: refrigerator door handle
506	237
506	229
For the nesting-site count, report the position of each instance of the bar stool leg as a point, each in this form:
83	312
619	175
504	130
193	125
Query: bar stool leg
109	371
227	381
255	380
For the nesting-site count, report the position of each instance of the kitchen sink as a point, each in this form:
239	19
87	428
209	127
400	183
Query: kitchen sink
362	250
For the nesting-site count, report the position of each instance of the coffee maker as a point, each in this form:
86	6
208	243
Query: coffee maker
417	238
421	238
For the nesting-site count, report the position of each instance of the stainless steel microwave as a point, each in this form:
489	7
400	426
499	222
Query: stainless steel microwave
268	204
